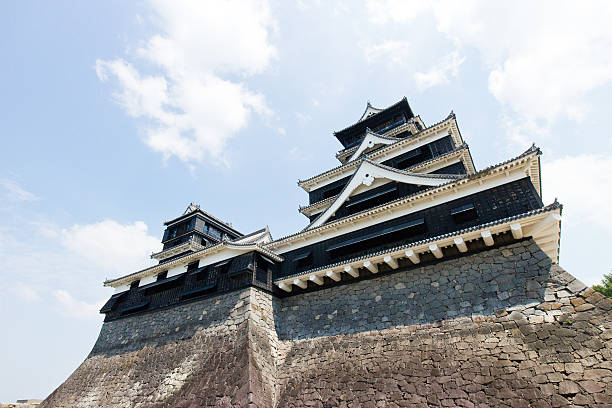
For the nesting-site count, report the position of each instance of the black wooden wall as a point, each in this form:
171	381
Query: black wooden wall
250	269
493	204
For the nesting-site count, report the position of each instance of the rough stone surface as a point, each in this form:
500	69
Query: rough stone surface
502	328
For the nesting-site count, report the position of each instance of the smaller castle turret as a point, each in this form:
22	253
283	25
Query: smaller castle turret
194	230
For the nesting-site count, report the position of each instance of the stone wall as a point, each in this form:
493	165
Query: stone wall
196	354
501	327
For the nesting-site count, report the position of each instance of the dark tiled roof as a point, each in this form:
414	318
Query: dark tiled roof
259	231
212	217
194	255
382	166
369	131
374	150
442	156
455	150
410	173
551	207
532	149
404	99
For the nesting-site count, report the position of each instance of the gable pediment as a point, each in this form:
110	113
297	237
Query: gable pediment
370	175
369	111
370	141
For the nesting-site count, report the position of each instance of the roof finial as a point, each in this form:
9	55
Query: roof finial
369	104
191	208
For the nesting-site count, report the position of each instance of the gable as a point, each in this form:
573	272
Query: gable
370	141
370	110
370	175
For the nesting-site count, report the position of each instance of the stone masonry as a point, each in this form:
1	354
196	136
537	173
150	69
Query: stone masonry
503	327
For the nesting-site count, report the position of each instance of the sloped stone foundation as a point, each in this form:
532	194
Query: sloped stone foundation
499	328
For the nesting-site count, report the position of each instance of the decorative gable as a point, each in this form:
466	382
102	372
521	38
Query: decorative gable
370	173
370	141
369	111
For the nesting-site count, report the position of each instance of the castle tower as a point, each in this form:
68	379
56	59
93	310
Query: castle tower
194	230
417	281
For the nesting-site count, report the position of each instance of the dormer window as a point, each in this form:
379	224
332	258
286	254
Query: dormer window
161	276
135	284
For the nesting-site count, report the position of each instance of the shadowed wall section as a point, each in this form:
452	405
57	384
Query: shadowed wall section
193	355
502	327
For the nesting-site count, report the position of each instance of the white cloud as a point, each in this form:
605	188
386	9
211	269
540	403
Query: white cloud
543	57
14	192
72	307
583	185
39	258
112	246
24	292
399	11
303	117
394	54
191	111
439	74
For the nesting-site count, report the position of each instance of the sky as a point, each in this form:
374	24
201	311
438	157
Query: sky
115	115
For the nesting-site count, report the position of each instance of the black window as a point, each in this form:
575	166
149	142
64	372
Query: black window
372	198
202	275
303	262
264	267
333	191
172	232
163	275
411	158
464	213
213	231
193	266
134	284
223	267
391	235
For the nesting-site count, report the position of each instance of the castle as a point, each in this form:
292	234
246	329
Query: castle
418	281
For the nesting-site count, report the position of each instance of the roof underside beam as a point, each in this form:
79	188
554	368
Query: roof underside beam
546	227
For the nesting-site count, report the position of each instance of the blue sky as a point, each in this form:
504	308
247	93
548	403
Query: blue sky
115	115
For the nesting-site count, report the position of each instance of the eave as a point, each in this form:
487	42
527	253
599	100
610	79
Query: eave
344	154
499	174
370	140
340	133
446	127
179	249
184	260
257	237
460	154
543	225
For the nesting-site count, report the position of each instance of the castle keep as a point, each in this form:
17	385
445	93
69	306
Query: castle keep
418	281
